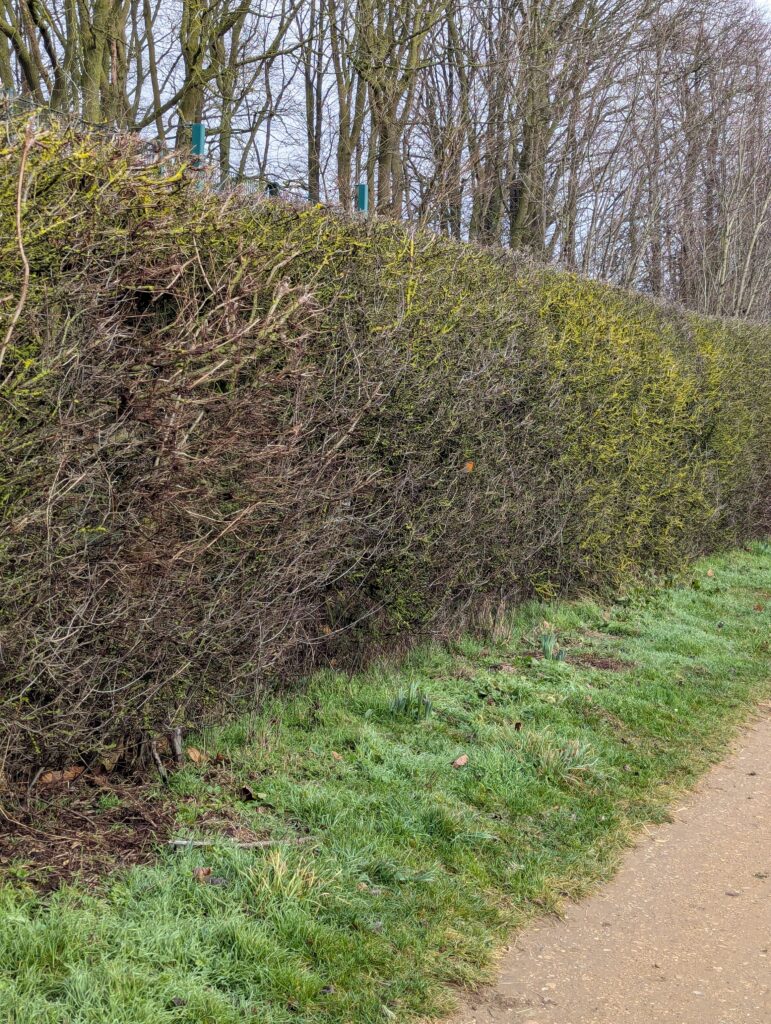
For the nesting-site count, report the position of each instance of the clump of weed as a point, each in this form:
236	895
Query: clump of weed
564	763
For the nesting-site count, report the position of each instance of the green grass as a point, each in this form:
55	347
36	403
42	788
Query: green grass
413	869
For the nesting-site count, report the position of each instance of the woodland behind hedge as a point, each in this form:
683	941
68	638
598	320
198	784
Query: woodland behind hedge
239	438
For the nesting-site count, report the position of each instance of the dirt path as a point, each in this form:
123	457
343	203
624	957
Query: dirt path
681	935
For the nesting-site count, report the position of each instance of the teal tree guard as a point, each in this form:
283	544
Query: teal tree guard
199	143
199	149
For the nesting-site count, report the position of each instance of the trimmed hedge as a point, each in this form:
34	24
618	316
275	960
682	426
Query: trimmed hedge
241	437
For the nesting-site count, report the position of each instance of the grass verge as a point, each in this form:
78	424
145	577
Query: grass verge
398	865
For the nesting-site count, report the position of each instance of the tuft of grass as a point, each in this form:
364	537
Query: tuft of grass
394	872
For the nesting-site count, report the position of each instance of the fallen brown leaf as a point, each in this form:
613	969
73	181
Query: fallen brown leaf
336	756
201	874
195	755
460	762
65	775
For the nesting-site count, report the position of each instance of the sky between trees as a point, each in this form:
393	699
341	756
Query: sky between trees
630	139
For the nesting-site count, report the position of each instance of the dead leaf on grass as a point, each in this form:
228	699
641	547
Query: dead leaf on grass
196	756
460	762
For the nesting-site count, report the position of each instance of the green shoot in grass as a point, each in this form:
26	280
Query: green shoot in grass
550	647
411	703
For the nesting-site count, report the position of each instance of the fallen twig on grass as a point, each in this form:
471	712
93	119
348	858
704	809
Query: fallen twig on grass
256	844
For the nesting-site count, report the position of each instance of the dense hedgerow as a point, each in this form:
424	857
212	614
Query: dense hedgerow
238	437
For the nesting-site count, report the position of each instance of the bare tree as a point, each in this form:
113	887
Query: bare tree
627	138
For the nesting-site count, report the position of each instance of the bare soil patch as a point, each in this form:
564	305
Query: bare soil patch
84	829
